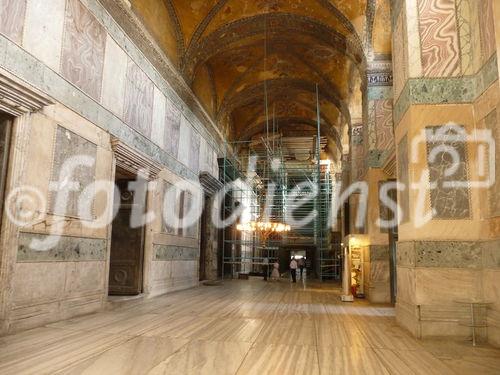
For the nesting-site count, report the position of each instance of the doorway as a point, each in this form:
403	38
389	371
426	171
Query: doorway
127	243
204	239
393	239
5	133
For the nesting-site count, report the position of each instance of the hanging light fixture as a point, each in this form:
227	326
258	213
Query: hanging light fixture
263	227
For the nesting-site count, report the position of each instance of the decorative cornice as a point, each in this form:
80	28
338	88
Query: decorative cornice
18	98
379	78
133	161
456	90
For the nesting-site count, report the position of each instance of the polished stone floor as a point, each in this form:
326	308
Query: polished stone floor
240	327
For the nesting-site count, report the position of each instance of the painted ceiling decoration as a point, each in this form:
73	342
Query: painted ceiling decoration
228	51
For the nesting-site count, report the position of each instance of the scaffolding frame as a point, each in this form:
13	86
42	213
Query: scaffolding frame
271	171
270	178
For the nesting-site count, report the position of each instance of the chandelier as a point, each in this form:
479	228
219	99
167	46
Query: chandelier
263	227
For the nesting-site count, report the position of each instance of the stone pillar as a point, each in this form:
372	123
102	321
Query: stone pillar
380	150
445	71
211	233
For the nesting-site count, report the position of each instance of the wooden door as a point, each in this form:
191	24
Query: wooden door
127	248
5	130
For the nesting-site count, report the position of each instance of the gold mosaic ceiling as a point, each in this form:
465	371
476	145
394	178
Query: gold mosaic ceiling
227	49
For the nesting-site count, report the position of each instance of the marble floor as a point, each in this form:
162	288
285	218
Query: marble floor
240	327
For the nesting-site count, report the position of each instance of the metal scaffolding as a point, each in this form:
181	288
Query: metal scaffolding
276	177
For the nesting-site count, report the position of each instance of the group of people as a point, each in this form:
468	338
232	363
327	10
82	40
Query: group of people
295	264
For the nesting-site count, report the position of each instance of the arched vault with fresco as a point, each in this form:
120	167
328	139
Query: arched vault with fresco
228	50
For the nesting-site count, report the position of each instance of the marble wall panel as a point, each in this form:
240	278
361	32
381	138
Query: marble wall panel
83	49
470	42
405	254
204	165
440	48
358	153
491	254
38	282
186	269
413	49
215	164
372	125
448	254
67	249
403	177
12	14
85	277
194	151
43	30
379	253
445	286
184	140
169	204
492	124
446	90
384	124
385	213
190	231
487	28
170	252
114	78
380	272
399	56
491	279
70	146
139	100
158	129
447	202
172	128
406	285
161	271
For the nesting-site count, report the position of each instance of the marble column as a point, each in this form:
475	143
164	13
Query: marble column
380	150
445	72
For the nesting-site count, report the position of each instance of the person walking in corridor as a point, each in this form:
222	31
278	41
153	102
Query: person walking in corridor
293	269
275	275
302	264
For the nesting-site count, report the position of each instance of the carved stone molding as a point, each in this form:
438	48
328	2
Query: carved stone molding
17	98
209	183
134	162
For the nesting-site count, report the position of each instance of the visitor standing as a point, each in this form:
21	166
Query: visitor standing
275	275
293	269
302	264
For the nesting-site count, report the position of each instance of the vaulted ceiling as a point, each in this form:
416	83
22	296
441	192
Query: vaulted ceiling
233	51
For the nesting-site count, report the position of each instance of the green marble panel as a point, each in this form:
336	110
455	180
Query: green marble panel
446	90
379	252
68	249
172	252
449	254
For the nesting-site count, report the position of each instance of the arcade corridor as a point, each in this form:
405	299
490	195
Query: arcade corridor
160	158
